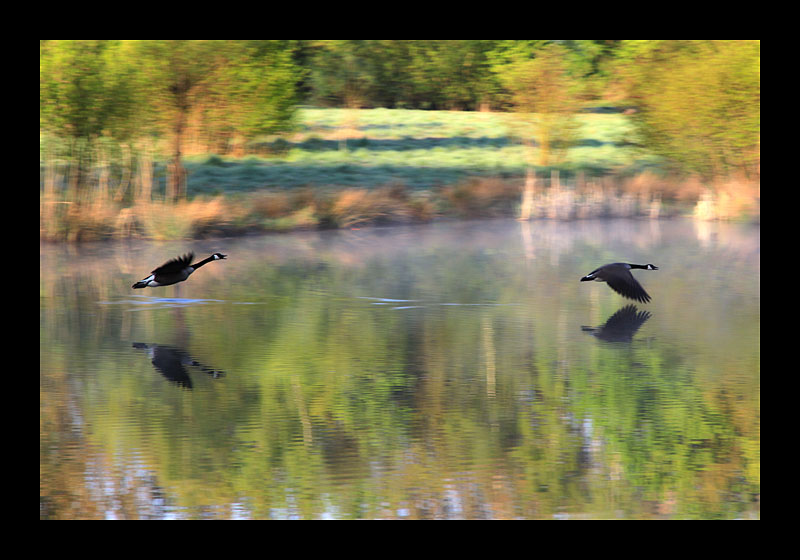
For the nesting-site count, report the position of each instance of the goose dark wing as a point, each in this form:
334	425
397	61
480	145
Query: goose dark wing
621	326
628	320
627	286
175	265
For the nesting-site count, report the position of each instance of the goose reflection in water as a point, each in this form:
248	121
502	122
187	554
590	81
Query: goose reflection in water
621	326
170	362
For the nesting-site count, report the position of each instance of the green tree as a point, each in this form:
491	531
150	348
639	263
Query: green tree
422	74
545	98
699	102
451	75
264	83
87	89
344	73
244	88
592	61
176	76
253	92
501	55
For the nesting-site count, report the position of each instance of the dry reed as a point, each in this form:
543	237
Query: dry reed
127	206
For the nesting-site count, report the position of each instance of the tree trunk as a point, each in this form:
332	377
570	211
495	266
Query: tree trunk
145	179
176	180
176	173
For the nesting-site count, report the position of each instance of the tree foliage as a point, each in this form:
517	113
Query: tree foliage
699	102
86	88
545	96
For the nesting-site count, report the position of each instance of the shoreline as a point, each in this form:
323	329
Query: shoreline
274	211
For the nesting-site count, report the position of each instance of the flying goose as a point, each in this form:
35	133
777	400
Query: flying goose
619	278
174	271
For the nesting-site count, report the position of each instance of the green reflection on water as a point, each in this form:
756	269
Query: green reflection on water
404	373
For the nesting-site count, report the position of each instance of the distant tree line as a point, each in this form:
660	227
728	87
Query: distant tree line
128	90
697	103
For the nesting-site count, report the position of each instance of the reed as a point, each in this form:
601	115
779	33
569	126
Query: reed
481	198
357	207
607	197
182	220
730	199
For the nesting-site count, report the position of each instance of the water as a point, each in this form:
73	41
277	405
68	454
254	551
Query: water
456	370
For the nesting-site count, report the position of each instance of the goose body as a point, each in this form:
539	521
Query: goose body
174	271
619	278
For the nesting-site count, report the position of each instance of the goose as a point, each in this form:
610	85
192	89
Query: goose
174	271
619	278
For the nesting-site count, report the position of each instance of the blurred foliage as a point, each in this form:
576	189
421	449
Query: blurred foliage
699	103
696	102
124	88
545	97
88	88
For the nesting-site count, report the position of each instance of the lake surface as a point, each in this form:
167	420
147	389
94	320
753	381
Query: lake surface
446	371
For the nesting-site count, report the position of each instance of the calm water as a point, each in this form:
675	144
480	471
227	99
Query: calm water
454	370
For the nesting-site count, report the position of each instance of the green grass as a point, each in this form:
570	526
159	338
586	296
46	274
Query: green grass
420	149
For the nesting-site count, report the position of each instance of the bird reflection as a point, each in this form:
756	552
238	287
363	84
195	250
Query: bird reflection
621	326
170	362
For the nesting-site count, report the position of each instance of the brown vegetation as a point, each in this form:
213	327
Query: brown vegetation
644	195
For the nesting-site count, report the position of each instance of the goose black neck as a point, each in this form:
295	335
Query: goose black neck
204	261
642	266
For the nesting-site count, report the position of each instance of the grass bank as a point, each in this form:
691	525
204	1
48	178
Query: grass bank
346	168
